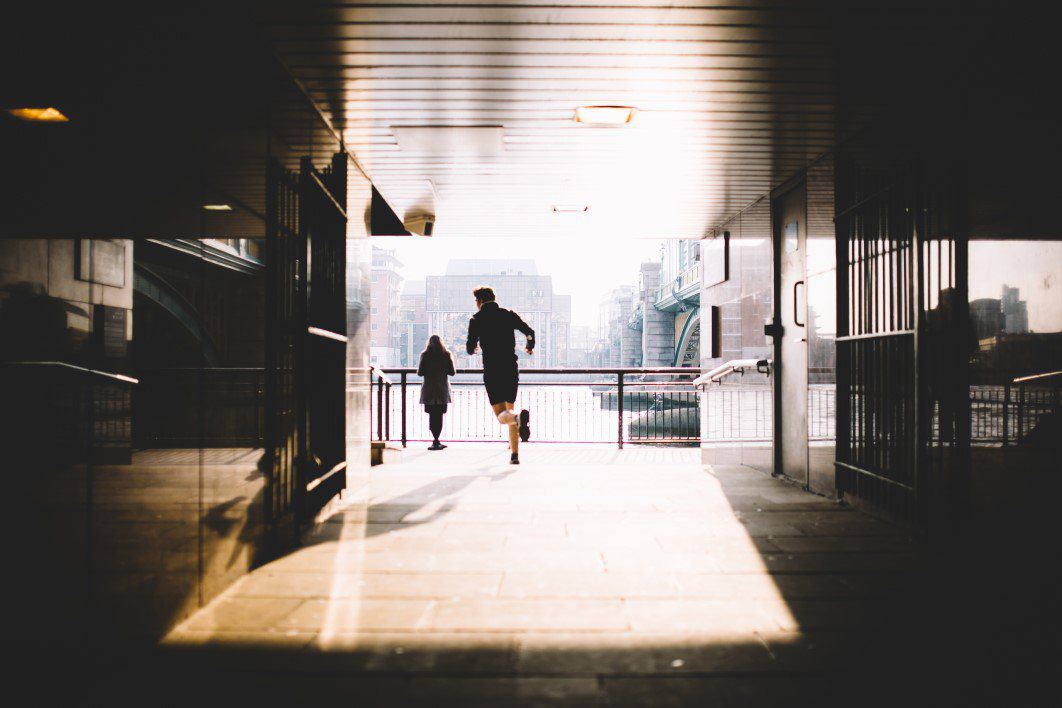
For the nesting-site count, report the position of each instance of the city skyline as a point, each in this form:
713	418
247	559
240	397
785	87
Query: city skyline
568	267
406	311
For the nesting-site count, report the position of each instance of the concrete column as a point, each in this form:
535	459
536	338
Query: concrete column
658	328
614	357
630	339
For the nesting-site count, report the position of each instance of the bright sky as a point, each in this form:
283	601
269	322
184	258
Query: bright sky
1030	266
587	269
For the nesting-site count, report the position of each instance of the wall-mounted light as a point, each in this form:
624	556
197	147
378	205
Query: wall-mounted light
217	207
604	115
39	115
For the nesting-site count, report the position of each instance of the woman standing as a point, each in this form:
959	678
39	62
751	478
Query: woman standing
436	366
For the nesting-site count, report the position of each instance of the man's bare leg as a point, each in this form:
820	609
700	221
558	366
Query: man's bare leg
506	416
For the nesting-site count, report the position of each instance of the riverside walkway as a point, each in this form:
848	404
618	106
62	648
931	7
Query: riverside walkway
585	576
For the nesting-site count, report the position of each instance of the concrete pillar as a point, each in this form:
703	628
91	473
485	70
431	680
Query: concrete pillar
658	328
630	339
614	356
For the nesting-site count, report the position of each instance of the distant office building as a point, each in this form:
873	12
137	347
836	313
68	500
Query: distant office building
580	343
410	330
386	299
562	322
614	313
1015	311
986	314
518	286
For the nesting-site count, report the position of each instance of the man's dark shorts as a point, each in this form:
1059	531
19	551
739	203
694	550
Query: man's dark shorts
501	382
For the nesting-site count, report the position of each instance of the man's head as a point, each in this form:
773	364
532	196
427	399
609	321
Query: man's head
483	294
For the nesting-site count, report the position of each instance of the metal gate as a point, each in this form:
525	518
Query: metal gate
902	401
305	340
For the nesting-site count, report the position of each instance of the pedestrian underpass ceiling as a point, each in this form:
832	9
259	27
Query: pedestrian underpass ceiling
731	100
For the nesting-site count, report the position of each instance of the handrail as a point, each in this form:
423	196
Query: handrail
633	396
1036	377
734	366
677	370
202	369
379	373
81	369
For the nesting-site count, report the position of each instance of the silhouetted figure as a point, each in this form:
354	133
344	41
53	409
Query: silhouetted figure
491	328
436	366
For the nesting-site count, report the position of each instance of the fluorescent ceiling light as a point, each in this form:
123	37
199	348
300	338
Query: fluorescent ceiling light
604	115
39	115
570	208
217	207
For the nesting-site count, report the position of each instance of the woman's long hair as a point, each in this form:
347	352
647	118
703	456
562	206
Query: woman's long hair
436	348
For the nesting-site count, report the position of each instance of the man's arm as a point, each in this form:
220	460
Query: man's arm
473	337
522	327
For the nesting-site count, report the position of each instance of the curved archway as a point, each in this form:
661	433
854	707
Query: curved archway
152	286
688	349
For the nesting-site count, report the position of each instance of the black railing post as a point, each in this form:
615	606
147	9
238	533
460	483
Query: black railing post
1021	413
1006	412
404	409
379	407
387	414
619	396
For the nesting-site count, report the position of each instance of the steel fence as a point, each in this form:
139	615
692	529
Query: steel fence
594	406
199	407
1005	414
69	412
567	405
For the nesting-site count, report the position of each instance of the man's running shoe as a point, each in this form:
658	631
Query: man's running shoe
525	429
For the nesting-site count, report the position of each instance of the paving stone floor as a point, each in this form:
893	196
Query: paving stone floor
585	576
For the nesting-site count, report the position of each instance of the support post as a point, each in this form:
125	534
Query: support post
404	409
379	408
387	413
1021	413
619	418
1006	413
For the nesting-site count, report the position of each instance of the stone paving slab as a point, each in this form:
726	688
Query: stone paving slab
582	577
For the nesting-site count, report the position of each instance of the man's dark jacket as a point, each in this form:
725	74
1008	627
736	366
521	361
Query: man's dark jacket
492	328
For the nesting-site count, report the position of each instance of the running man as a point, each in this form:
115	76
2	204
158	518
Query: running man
491	328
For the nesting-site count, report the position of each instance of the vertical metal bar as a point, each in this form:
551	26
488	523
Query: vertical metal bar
919	415
379	408
619	418
1006	412
1021	413
387	414
404	408
272	341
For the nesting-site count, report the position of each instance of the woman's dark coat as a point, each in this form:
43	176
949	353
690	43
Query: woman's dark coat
436	368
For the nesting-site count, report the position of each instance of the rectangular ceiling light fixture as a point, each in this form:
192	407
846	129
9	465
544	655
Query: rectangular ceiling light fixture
39	115
570	208
217	207
604	115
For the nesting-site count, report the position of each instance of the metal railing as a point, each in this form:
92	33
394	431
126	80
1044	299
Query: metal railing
199	407
1005	414
379	381
734	366
584	406
66	411
623	405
